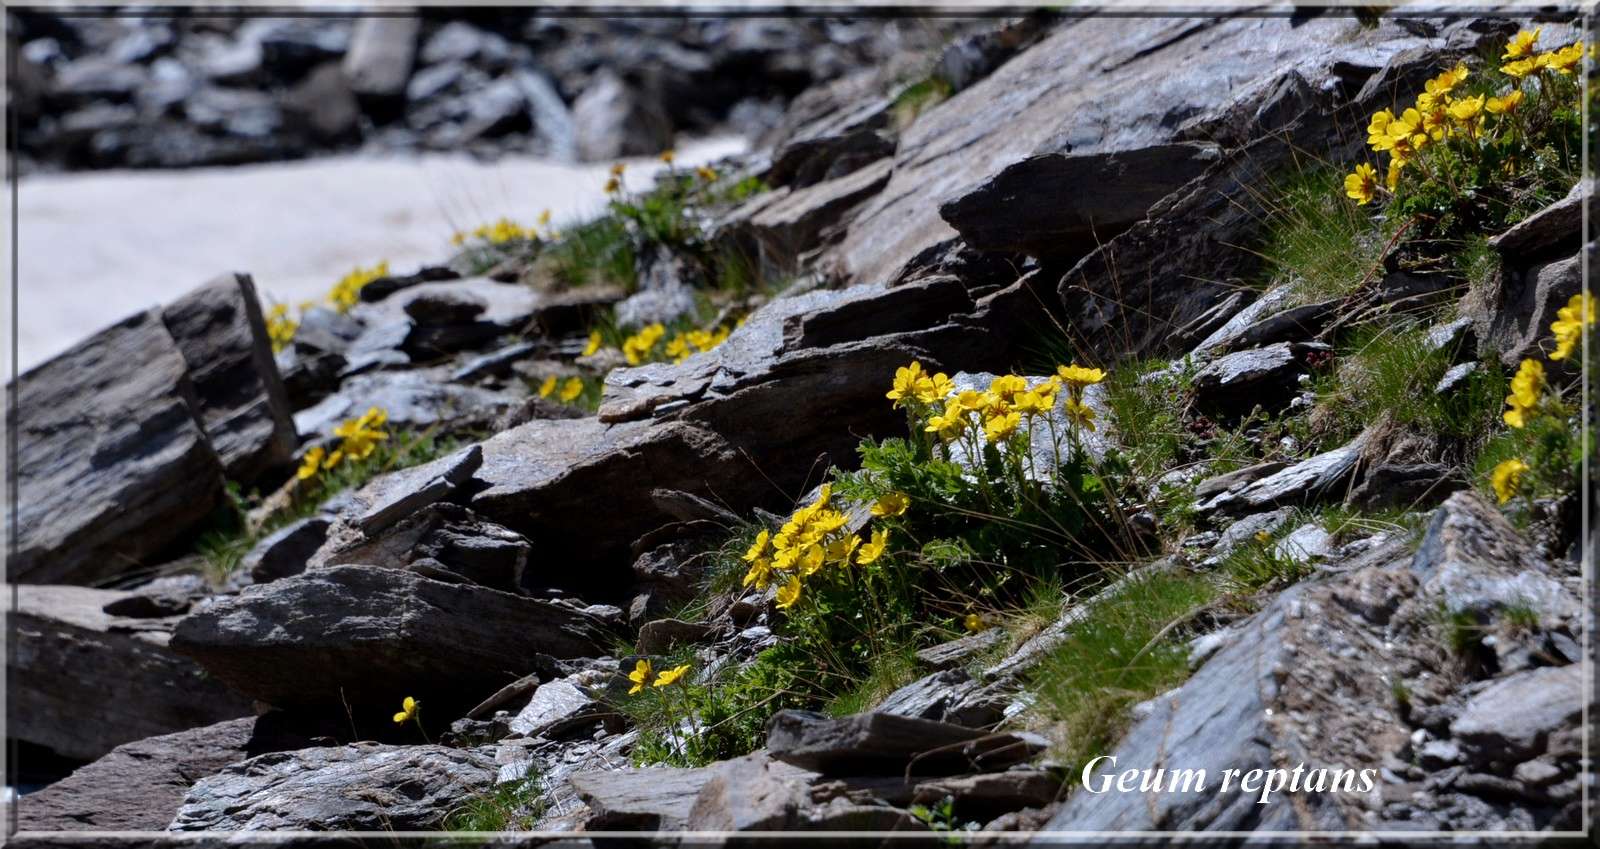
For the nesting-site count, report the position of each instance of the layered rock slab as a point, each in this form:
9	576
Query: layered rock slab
82	681
368	634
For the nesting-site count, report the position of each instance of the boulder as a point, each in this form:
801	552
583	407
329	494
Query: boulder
365	634
775	229
881	743
83	681
612	119
1512	719
286	551
243	405
1056	204
323	105
358	787
113	465
1234	384
1308	481
137	786
640	799
442	541
410	490
414	400
557	707
378	63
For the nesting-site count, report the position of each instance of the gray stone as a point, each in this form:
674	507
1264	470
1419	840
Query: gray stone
83	681
1304	544
1552	231
1307	481
362	635
243	406
137	786
378	63
777	229
752	793
358	787
286	551
322	105
406	494
1063	204
495	363
413	400
1234	384
1518	324
442	541
1247	528
1473	561
663	635
881	743
1454	377
1237	478
1416	486
1296	324
612	119
663	304
1513	718
112	461
957	652
557	707
640	799
984	797
939	697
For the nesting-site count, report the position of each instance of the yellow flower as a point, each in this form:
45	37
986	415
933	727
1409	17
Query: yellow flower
1035	402
891	504
1570	322
1504	104
811	559
973	623
678	348
950	424
1362	185
1526	387
757	548
593	346
310	463
280	327
707	173
789	593
618	168
1392	178
548	387
1507	479
1467	109
459	238
571	389
1001	427
637	348
971	400
839	551
1564	60
1263	536
1521	44
408	711
1378	129
613	186
1435	121
1404	136
935	388
1077	377
640	676
906	379
1008	387
873	549
671	676
544	218
1520	68
667	156
333	459
1079	413
347	291
760	573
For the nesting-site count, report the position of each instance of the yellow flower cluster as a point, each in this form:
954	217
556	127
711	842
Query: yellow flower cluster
566	390
614	184
1524	61
1528	385
814	537
358	438
1507	479
347	291
504	230
1441	113
280	327
643	672
999	412
645	345
408	711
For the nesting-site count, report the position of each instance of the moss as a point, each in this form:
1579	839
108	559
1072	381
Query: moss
919	97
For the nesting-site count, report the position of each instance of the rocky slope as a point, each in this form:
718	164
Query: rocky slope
548	522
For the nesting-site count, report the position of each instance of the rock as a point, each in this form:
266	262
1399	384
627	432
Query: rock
414	400
1246	530
945	696
956	652
112	463
557	707
752	793
1517	326
1512	719
661	636
234	112
1409	485
803	162
1304	544
1304	482
407	493
323	105
1552	231
1474	562
777	228
378	63
442	541
1234	384
640	799
880	743
983	797
286	551
137	786
663	304
1085	198
495	363
1236	478
367	634
1295	324
611	120
1455	377
358	787
243	406
83	681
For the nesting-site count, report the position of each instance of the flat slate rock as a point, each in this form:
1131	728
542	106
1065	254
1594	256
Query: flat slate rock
243	405
368	634
113	464
83	681
880	743
137	786
357	787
